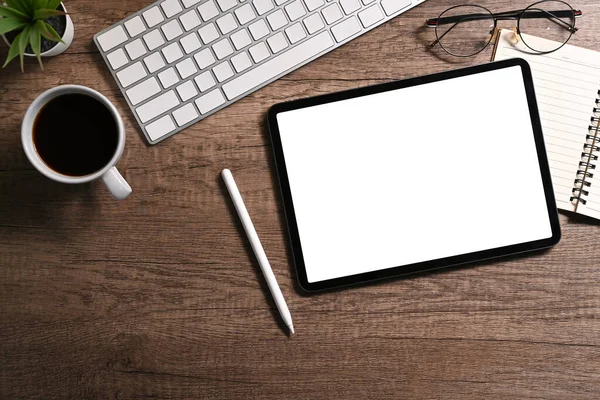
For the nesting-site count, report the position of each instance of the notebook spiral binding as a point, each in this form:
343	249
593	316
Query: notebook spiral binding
587	165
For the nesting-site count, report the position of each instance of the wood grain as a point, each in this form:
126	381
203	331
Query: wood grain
159	296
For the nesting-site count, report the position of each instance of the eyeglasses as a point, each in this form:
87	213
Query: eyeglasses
466	30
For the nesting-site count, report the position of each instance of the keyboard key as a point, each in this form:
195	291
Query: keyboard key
240	39
227	24
313	23
332	13
117	59
205	81
168	77
313	4
277	20
295	33
135	49
295	10
143	91
371	15
185	114
131	74
172	52
153	17
263	6
223	71
259	29
365	2
160	127
280	2
208	33
208	10
277	42
210	101
222	48
190	20
187	90
277	65
245	14
154	62
157	106
190	43
113	38
226	4
345	29
349	6
189	3
186	68
153	39
393	6
204	58
241	62
135	26
171	29
259	52
171	7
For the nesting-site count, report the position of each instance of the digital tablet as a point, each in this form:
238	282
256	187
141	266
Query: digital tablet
413	175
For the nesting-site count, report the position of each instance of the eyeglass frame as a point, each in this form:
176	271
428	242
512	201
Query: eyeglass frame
506	15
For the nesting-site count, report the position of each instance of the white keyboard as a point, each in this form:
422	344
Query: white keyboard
179	61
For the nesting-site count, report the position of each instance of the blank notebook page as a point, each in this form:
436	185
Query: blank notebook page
414	174
566	86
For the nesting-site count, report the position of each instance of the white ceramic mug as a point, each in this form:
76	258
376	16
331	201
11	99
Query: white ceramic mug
115	182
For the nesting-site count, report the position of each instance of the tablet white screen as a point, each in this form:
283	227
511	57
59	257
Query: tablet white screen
414	174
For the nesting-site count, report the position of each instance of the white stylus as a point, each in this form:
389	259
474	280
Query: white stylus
257	247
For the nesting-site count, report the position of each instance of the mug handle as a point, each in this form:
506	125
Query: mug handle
116	184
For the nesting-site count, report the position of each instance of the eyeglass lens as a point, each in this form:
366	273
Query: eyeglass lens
552	20
465	30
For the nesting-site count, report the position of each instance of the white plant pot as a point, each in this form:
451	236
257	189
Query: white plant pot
59	47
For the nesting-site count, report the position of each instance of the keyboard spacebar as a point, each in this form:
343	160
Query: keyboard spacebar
277	65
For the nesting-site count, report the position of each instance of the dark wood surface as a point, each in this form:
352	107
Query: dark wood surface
159	296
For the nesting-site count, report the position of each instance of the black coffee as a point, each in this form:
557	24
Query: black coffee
75	134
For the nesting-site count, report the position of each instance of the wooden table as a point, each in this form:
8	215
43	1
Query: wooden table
159	296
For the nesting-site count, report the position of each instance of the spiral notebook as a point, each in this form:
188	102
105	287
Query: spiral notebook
567	86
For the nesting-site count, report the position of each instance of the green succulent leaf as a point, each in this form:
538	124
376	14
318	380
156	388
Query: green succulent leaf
37	4
44	14
30	5
41	27
22	5
48	32
53	4
12	13
10	24
23	41
35	38
54	34
11	4
14	50
18	5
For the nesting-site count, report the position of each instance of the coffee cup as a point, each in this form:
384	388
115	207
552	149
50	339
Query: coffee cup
73	134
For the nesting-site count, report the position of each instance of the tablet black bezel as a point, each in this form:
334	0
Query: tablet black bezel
425	265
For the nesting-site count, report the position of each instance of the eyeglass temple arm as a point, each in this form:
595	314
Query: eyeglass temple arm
432	22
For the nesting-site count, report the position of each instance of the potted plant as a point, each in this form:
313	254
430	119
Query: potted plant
35	28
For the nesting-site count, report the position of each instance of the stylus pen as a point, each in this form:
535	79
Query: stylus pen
257	247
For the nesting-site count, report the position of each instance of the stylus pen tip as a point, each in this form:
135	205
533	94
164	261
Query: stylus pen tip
291	328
